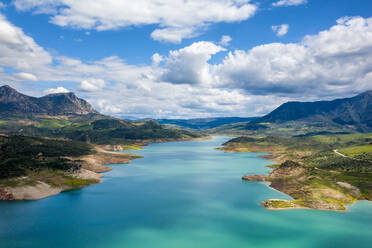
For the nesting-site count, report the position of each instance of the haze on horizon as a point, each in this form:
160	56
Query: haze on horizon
187	59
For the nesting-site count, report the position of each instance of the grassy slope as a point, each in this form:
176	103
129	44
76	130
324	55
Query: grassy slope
363	152
290	128
318	177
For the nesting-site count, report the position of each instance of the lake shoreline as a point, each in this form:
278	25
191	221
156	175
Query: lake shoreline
292	179
92	167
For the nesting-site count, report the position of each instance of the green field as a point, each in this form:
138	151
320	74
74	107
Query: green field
356	150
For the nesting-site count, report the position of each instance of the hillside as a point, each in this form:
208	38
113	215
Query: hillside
204	123
347	115
59	142
319	172
12	102
32	168
348	111
69	117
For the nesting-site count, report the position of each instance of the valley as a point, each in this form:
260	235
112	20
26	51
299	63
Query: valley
322	162
59	142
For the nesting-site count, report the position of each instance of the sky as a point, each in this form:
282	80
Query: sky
187	58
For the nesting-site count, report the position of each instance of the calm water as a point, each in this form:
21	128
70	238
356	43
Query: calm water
182	194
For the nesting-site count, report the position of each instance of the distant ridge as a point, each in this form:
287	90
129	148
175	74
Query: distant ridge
204	123
13	102
347	111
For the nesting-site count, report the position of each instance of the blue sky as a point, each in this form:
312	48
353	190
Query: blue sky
273	51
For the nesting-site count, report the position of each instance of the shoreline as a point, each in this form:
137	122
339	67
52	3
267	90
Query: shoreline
92	167
89	174
293	181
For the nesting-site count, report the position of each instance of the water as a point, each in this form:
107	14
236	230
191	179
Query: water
181	194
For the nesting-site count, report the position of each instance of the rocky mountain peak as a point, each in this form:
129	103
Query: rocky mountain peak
13	102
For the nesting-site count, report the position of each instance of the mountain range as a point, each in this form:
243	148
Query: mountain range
13	102
204	123
66	116
347	111
341	115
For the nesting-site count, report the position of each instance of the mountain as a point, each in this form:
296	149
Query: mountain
204	123
347	111
66	116
347	115
13	102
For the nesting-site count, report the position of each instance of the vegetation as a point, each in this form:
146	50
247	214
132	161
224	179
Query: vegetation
204	123
359	152
52	177
308	127
49	139
132	147
93	129
312	172
20	155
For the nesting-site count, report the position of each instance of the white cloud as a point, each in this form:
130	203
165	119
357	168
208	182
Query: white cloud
18	50
280	30
289	3
108	107
92	84
184	83
173	35
24	76
156	59
351	36
189	65
177	19
56	90
225	40
333	62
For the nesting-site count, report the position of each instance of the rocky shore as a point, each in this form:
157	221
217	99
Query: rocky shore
307	188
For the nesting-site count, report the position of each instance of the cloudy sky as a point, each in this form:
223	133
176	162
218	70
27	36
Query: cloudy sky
184	59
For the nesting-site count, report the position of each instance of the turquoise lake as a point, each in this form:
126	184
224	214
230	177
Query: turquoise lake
181	194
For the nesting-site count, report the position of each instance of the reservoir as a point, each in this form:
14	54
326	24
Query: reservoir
181	194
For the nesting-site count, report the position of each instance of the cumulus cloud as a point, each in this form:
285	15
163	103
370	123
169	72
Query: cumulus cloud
173	35
156	59
225	40
184	83
24	76
289	3
56	90
108	107
333	61
18	50
280	30
189	65
177	19
92	84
